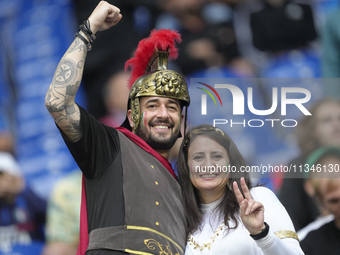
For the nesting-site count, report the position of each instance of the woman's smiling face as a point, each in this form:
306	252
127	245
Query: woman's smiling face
208	165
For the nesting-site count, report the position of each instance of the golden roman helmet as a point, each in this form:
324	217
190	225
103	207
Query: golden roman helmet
157	79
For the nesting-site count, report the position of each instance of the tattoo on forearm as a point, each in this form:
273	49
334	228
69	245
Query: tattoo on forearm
78	45
71	90
56	100
61	94
73	130
69	109
80	64
66	73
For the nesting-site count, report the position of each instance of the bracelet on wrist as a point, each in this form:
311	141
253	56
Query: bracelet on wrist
88	26
85	27
262	234
88	44
84	30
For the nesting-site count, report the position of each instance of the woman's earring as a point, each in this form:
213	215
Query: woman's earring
229	186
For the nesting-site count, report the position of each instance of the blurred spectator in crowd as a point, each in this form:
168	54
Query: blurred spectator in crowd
267	29
326	184
22	213
330	35
282	25
115	96
320	129
63	216
113	49
319	160
208	38
6	136
330	46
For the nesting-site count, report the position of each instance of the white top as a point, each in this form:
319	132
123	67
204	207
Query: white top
9	164
237	241
319	222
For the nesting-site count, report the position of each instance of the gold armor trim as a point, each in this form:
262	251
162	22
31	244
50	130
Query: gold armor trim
154	231
137	252
287	234
161	82
166	83
152	244
135	111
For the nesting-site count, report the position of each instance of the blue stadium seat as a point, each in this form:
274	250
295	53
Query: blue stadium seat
293	64
33	248
37	34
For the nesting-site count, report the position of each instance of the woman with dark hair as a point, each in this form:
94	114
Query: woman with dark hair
224	212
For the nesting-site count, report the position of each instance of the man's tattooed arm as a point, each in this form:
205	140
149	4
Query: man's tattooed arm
61	94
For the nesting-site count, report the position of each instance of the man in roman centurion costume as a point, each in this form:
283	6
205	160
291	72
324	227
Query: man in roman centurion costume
131	200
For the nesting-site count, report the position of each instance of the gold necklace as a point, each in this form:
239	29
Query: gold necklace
192	241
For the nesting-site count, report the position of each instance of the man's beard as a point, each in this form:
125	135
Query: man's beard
160	142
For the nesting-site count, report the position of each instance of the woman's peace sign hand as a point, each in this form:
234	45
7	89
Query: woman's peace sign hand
252	212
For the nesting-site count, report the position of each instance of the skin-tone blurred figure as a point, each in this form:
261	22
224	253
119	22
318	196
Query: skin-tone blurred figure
323	129
327	130
6	142
325	187
115	96
11	184
6	136
319	159
312	184
330	194
60	249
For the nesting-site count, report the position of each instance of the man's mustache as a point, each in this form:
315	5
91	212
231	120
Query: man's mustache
160	122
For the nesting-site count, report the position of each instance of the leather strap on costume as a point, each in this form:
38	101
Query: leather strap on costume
133	240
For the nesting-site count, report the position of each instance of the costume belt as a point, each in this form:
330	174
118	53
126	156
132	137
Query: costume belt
133	240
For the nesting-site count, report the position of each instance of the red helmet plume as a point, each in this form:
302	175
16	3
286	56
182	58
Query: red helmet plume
163	40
